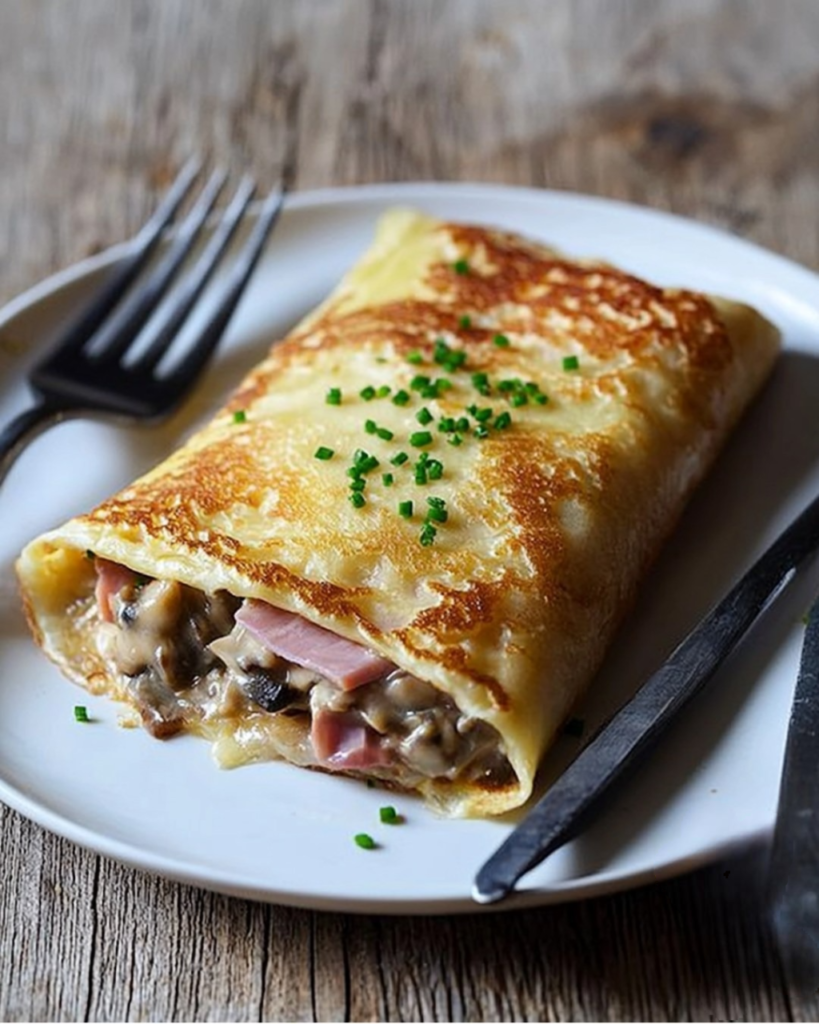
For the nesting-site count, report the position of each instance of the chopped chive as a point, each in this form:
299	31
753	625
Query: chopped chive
420	438
240	416
518	399
428	533
389	816
359	456
401	397
531	387
461	266
482	415
415	357
446	424
481	432
324	453
385	434
358	484
501	340
512	384
465	322
405	509
366	842
462	425
333	396
368	393
503	421
387	479
455	440
424	416
371	426
421	473
435	469
383	391
81	713
357	499
437	515
370	463
419	381
399	459
571	363
541	399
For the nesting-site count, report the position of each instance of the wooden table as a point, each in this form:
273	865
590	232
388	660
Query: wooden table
707	108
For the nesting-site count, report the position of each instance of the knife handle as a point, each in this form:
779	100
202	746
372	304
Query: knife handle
793	874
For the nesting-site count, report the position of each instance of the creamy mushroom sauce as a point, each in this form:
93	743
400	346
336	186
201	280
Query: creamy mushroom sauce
165	634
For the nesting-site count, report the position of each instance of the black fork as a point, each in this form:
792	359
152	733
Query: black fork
95	366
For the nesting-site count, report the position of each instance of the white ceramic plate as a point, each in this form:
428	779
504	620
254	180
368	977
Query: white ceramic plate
275	833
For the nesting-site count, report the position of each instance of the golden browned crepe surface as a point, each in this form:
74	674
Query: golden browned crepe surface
609	398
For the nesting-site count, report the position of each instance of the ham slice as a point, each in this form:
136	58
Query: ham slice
344	741
343	662
111	579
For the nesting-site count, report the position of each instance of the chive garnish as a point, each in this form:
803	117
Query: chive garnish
419	381
437	515
455	440
333	396
571	363
240	416
415	357
424	416
387	479
461	266
541	399
401	397
383	391
465	322
503	421
428	533
462	425
367	393
481	432
399	459
405	509
370	426
366	842
421	473
389	816
435	469
501	340
81	713
420	438
358	484
357	499
385	434
324	453
518	399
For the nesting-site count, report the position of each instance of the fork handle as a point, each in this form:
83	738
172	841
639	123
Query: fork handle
24	428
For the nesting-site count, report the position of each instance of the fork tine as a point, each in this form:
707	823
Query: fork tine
127	269
194	283
116	335
229	295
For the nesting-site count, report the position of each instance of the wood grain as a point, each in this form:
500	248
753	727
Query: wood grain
708	109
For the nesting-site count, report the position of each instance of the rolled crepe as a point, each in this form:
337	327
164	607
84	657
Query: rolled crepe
402	547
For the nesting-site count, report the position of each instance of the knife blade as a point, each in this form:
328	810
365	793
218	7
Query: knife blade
793	870
577	794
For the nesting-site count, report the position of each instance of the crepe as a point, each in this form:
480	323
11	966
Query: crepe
270	588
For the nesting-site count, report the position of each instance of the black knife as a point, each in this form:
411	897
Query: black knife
793	872
573	799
